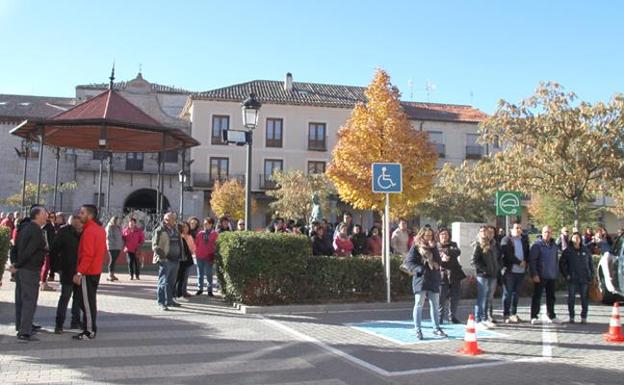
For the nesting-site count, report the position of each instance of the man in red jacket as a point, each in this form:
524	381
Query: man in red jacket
91	251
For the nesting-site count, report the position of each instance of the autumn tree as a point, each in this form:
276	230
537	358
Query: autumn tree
458	196
556	146
293	197
228	197
31	193
559	212
379	131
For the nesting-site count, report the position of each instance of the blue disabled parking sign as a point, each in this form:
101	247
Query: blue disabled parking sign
387	178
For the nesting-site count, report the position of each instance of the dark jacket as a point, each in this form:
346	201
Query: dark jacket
359	244
64	250
31	247
508	252
431	279
320	246
486	264
543	259
451	270
576	265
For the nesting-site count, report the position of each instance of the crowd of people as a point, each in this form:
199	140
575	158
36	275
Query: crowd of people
43	245
499	259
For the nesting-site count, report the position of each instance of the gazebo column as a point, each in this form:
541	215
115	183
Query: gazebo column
99	195
39	167
158	186
108	182
26	153
57	154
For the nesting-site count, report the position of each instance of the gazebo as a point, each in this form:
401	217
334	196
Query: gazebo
106	123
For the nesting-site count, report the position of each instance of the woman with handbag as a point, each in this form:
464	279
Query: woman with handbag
452	275
423	263
186	262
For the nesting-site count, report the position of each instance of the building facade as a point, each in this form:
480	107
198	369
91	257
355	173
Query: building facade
133	176
297	129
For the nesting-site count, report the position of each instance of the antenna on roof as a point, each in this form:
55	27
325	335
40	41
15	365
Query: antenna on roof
112	77
410	86
429	88
140	68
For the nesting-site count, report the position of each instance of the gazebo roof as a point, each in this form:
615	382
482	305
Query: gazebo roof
109	116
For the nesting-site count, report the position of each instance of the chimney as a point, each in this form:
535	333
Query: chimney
288	83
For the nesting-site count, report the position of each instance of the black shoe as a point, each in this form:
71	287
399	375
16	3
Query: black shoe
36	327
440	333
26	338
132	278
199	292
138	279
84	336
163	308
58	330
210	294
419	335
455	320
174	304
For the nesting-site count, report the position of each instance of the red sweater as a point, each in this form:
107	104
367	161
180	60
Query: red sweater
205	250
133	239
343	246
91	249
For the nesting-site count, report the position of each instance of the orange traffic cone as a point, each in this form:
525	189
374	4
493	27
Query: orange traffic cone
470	339
615	327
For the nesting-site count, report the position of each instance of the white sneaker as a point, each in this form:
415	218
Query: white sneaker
490	324
483	325
555	321
534	321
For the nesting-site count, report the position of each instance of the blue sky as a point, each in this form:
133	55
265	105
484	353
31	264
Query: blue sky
474	52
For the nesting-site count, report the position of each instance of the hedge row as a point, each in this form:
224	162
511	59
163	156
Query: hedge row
270	269
5	237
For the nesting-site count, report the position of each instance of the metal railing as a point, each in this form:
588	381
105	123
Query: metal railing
207	180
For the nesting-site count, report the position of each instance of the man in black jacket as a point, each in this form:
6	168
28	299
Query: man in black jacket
515	250
64	251
31	249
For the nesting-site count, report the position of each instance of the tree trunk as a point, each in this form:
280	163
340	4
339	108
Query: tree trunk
576	214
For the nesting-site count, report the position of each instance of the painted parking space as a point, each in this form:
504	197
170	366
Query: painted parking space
403	333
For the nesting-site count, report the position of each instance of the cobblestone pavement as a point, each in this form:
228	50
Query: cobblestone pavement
206	341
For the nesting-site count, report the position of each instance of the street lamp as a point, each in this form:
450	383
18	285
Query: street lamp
182	179
250	108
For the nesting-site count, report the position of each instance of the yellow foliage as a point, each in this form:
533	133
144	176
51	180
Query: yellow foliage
379	131
228	197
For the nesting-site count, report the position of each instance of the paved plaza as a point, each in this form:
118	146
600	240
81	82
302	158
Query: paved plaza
206	341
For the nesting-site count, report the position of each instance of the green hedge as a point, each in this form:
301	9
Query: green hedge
270	269
5	237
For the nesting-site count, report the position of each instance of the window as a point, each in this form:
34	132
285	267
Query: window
134	161
171	156
437	138
274	132
219	123
270	166
100	155
219	169
102	199
316	167
316	137
473	149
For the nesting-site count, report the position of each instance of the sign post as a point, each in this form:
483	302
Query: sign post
387	179
508	203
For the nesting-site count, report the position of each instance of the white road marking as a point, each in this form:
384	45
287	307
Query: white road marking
381	371
549	336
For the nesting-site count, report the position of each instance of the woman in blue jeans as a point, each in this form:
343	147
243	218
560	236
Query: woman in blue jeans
424	261
485	261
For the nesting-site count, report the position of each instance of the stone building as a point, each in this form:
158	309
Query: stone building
133	175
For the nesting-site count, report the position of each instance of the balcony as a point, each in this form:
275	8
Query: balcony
317	145
205	180
474	152
441	149
267	182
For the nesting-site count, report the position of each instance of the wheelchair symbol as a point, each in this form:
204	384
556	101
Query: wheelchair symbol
384	181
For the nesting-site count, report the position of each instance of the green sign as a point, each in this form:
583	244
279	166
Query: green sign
508	203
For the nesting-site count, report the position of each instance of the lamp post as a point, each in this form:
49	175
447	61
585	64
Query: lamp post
250	108
182	179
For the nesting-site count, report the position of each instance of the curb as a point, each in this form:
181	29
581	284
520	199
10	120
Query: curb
322	308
